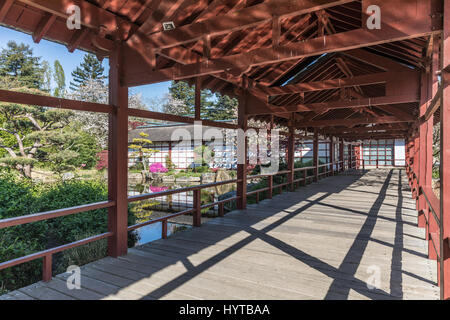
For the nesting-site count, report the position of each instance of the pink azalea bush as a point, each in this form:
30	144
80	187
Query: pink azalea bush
157	167
158	189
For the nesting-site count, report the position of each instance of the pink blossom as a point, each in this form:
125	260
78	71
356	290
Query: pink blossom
158	167
158	189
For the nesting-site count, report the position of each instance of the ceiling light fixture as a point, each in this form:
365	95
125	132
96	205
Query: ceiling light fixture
169	25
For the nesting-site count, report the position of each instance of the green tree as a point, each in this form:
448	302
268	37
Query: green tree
32	133
181	101
17	63
181	91
224	108
60	79
90	69
142	152
46	76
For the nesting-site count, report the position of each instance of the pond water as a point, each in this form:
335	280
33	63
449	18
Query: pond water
153	232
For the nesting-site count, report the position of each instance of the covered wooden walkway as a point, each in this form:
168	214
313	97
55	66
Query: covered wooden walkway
327	240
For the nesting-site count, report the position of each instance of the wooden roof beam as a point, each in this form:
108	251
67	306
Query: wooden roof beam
92	17
237	20
341	104
5	8
337	42
375	128
374	78
347	122
43	26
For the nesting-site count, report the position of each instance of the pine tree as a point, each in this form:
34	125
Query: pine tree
181	91
18	64
60	79
181	101
47	76
90	69
225	108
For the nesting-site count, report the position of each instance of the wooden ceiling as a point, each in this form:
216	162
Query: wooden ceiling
314	64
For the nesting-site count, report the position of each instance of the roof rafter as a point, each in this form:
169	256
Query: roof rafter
336	42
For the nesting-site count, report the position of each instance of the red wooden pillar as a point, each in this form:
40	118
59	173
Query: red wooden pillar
341	155
410	159
242	153
424	99
416	167
164	229
433	82
290	160
316	155
197	205
445	158
349	157
270	178
198	99
47	268
332	154
117	157
406	155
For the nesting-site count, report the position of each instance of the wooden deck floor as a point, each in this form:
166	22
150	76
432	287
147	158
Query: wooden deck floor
323	241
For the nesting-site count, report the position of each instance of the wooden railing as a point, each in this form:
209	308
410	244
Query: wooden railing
195	211
47	254
431	213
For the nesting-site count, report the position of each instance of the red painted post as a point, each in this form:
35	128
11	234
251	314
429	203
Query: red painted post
445	158
164	229
270	178
47	268
242	152
117	157
221	210
270	185
416	167
290	161
332	154
362	157
316	155
433	82
197	214
349	156
198	93
424	100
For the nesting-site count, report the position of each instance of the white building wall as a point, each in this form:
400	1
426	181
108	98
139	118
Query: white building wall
400	152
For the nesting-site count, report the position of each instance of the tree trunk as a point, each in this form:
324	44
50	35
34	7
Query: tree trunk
26	169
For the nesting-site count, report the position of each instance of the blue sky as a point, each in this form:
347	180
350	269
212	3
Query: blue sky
51	51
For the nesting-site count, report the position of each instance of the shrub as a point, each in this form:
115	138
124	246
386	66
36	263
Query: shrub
158	168
102	160
169	163
19	197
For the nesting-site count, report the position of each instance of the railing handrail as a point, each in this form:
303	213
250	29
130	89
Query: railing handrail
47	254
146	196
35	217
432	201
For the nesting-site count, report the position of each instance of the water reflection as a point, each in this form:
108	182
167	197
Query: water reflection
183	200
164	205
154	232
